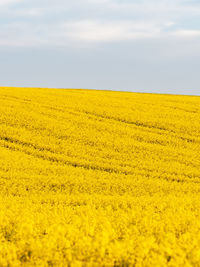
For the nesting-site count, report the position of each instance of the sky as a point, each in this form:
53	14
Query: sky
127	45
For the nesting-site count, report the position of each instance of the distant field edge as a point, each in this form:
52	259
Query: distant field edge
98	90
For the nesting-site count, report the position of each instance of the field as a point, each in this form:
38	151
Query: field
99	178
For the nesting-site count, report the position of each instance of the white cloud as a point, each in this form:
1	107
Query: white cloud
101	31
186	33
4	3
60	22
26	12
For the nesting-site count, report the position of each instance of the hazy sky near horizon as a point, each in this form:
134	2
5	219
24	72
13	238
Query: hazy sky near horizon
131	45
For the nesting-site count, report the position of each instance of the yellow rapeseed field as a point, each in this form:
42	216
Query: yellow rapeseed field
99	178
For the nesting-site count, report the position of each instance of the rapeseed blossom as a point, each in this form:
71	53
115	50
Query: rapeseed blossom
99	178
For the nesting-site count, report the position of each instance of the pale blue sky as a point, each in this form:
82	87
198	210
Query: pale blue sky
138	45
